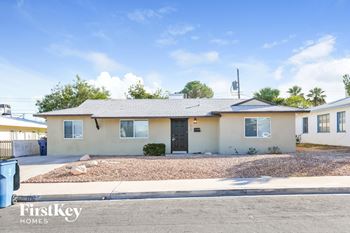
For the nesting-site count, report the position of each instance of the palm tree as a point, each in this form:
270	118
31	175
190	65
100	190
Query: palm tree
268	94
316	96
295	91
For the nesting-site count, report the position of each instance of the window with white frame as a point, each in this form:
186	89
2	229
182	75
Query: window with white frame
323	125
341	122
134	128
73	129
258	127
305	125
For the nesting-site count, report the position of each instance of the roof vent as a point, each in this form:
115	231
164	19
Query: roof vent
5	110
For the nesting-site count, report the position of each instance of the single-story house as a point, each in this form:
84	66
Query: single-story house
16	128
123	127
326	124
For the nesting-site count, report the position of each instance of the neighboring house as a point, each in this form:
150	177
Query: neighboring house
123	127
326	124
15	128
19	136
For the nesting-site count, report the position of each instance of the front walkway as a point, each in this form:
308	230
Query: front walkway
31	166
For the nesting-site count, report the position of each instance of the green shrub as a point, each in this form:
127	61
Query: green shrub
274	150
252	151
154	149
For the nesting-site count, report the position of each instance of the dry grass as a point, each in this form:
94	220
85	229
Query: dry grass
308	161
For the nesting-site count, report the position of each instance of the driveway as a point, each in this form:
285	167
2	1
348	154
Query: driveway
31	166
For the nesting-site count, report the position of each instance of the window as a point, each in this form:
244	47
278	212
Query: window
134	129
323	123
305	125
341	122
258	127
73	129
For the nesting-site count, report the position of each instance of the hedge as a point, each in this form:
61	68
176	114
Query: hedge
154	149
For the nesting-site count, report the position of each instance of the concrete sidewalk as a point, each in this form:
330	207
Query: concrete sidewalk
182	188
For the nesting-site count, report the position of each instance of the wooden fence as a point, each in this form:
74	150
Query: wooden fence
6	149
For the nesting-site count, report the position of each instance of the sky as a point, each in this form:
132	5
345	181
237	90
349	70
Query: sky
165	44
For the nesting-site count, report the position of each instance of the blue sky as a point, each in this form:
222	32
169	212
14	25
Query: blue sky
168	43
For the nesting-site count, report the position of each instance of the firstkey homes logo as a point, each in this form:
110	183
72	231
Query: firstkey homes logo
41	215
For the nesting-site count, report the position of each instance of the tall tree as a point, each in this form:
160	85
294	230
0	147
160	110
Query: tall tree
269	94
316	96
196	89
138	91
295	91
297	101
70	95
346	81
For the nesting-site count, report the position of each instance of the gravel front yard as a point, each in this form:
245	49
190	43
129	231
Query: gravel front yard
308	161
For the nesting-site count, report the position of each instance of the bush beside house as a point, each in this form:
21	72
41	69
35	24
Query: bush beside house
154	149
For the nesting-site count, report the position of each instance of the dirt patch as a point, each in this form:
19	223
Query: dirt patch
306	162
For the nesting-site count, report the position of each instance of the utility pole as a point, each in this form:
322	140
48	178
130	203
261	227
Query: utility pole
236	86
239	85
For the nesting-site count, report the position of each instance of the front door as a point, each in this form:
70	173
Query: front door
179	135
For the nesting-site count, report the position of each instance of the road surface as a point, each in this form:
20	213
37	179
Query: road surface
310	213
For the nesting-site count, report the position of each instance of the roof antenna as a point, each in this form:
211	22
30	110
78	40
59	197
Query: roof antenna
236	86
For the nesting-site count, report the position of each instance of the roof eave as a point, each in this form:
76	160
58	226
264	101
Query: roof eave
291	111
54	115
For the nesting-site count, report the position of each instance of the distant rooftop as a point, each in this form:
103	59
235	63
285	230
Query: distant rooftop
20	122
335	104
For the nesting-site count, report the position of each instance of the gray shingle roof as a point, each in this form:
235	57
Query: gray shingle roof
260	108
335	104
117	108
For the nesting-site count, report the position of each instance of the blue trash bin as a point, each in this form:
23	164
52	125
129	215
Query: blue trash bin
43	146
7	172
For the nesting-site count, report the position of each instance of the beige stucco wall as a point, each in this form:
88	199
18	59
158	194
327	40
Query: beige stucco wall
20	133
231	133
207	140
105	141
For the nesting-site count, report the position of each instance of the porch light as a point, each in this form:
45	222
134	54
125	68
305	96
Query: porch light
195	120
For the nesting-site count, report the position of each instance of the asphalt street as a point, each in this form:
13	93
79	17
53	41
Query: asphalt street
309	213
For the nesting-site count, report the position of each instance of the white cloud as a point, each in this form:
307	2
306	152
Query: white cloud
278	73
118	87
102	35
185	58
326	74
144	15
194	37
269	45
314	51
179	29
21	87
219	41
166	41
169	36
101	61
314	66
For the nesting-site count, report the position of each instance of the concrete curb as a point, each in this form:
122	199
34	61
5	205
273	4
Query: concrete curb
182	194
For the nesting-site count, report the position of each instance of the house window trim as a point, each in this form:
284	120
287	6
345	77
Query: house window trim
82	131
133	120
344	123
257	129
303	126
318	127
